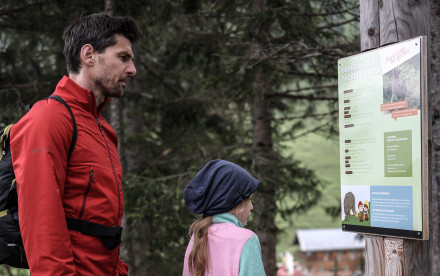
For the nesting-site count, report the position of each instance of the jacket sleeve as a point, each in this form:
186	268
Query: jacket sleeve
123	268
250	258
39	148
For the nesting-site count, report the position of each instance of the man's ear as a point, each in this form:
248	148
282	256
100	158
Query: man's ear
87	55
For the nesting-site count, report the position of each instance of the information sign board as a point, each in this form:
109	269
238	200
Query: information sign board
383	127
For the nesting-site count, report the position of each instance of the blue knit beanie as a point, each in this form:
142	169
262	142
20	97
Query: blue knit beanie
218	187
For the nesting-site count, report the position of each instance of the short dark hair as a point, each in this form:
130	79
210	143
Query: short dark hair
98	30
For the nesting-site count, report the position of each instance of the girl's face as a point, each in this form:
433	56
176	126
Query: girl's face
243	210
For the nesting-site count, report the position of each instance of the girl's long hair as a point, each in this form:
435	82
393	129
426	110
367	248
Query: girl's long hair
198	257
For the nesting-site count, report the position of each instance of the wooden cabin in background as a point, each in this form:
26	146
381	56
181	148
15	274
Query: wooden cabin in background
329	252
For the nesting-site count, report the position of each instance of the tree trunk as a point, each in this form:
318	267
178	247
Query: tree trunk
115	112
110	7
434	90
382	23
265	199
115	106
140	233
262	145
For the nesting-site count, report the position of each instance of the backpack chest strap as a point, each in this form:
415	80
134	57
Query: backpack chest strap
110	235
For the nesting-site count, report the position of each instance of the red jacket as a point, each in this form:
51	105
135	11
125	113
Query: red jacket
49	189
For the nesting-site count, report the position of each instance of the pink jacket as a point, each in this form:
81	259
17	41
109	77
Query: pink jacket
225	243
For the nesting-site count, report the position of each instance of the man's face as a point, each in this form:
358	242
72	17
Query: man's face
114	68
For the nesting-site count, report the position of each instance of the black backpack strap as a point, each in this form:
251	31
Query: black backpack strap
110	235
75	130
4	140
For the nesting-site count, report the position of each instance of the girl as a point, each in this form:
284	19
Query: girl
220	245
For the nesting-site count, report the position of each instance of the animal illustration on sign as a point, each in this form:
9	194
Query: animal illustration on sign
349	204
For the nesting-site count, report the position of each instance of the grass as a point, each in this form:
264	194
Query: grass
353	220
321	155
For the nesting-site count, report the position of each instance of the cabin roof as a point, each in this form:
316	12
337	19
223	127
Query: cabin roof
328	239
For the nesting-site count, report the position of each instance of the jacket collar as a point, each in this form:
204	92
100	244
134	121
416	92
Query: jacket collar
227	218
72	92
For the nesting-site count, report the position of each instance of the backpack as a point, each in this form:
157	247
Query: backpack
11	245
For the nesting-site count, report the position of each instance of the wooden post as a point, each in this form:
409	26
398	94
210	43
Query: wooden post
374	252
370	28
434	82
384	22
393	249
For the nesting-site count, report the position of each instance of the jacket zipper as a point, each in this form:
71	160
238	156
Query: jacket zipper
117	183
113	168
83	206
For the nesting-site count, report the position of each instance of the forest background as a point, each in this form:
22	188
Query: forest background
253	82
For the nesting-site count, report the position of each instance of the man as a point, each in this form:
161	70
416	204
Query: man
62	203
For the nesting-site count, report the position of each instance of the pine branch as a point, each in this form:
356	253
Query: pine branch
313	130
11	11
312	75
320	115
9	86
332	13
161	80
14	27
330	26
308	88
301	97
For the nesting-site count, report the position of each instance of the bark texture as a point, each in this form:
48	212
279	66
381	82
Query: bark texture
434	88
398	21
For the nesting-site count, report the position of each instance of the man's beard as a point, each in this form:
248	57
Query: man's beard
108	90
104	82
117	91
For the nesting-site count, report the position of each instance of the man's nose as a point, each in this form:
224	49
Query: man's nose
131	69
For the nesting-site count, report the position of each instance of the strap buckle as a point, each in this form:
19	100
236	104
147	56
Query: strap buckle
3	213
111	242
